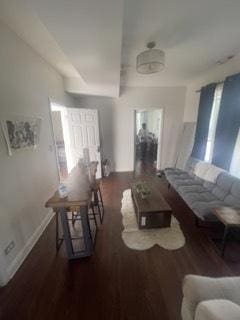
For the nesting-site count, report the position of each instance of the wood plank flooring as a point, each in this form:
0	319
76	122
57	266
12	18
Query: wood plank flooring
116	283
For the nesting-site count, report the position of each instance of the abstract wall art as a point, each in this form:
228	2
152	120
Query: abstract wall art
21	133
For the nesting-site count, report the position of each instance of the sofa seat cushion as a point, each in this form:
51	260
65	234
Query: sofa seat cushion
204	209
217	309
186	182
189	189
232	201
193	197
174	177
169	171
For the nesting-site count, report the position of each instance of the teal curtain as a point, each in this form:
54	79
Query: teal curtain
228	123
204	114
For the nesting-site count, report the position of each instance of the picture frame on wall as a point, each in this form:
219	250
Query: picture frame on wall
21	133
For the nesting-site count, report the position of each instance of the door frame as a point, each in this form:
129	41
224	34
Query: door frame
60	105
63	108
160	134
85	124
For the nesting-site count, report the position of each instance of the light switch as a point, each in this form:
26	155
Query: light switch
143	221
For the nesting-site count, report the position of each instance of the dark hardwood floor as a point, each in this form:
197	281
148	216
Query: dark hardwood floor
145	166
116	282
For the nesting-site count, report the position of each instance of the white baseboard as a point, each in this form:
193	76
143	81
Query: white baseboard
21	256
123	170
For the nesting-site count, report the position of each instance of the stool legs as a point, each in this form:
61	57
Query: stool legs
76	215
98	202
101	201
94	214
59	240
57	233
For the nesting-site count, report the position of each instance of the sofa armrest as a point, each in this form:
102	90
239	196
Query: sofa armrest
197	289
217	310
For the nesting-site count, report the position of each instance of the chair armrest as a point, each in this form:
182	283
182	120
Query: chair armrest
217	310
197	289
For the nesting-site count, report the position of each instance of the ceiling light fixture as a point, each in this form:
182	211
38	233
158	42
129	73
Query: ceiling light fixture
151	60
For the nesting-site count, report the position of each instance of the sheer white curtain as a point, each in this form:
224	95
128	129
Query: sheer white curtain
213	123
235	164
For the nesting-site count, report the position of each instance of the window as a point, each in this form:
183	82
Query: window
213	123
235	164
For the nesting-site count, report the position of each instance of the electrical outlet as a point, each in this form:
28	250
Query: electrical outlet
143	221
9	248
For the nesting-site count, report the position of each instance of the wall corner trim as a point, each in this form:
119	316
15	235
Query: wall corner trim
21	256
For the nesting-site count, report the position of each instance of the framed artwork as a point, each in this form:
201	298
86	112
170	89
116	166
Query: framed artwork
21	133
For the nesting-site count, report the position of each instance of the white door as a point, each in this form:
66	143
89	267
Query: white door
83	130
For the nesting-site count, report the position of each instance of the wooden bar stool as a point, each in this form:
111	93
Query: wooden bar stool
76	216
91	214
97	200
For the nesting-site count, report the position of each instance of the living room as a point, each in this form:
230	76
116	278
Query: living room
162	240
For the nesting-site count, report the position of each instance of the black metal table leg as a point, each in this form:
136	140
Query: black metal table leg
97	201
88	239
102	205
57	246
59	241
86	230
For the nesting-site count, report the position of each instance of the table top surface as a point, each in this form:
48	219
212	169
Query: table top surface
154	203
78	188
228	215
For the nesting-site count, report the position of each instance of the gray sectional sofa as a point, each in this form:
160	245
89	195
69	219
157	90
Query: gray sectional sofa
201	195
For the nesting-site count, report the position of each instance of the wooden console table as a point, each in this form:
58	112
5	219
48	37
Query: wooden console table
78	200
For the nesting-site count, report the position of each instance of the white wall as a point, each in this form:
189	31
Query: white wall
27	178
216	74
117	121
57	126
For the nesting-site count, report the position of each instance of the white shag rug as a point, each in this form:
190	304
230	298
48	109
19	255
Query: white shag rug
170	238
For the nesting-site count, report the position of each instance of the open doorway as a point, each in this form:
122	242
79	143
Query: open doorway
76	135
148	136
60	138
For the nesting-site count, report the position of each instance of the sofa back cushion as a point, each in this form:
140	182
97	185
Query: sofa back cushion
233	198
223	185
201	169
190	165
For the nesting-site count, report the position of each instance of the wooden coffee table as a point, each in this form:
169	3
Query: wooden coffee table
153	212
230	217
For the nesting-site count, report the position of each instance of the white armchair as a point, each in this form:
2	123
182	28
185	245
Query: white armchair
207	298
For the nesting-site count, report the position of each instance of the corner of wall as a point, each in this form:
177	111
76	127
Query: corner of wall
4	278
21	256
191	104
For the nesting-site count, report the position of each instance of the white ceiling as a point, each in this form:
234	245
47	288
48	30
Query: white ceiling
20	17
194	34
87	41
84	35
